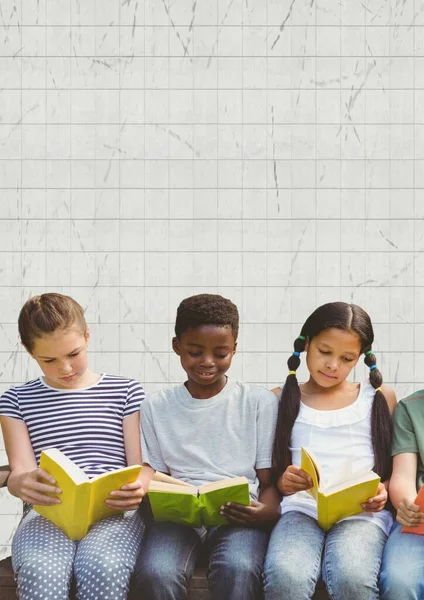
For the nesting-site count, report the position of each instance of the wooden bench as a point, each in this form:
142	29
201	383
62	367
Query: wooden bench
199	589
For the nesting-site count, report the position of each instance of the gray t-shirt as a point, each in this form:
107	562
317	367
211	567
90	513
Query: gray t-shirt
201	441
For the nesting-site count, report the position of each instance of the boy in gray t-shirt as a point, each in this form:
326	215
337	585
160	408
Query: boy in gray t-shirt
207	429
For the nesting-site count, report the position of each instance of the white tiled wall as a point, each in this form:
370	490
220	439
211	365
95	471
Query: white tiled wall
268	150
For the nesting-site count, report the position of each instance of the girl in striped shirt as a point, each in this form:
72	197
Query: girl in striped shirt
94	420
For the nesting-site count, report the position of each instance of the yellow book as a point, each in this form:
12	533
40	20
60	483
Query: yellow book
82	498
343	495
179	502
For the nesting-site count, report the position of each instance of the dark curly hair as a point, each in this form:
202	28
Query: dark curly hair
206	309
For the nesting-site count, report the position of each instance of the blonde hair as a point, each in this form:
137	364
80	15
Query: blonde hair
41	315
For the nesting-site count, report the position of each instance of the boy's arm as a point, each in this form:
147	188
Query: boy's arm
261	513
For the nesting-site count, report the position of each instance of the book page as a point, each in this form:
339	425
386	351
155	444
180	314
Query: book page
64	463
309	466
222	484
172	488
345	475
341	485
158	476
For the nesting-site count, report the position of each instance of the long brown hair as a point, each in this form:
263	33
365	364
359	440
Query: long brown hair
347	317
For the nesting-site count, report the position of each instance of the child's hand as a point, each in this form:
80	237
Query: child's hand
255	515
30	488
409	515
128	497
294	480
378	502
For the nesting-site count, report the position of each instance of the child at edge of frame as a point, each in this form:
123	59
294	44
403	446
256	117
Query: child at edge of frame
209	428
402	574
94	420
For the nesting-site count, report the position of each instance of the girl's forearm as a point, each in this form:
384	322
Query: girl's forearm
145	476
13	483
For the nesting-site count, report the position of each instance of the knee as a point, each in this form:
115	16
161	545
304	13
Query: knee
107	565
282	577
395	583
243	569
354	584
33	573
149	575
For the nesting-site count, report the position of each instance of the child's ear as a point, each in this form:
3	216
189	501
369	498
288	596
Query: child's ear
87	334
235	348
176	345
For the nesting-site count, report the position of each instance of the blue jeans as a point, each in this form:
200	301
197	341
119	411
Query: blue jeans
402	570
169	555
299	553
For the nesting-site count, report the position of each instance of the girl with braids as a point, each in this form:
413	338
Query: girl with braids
337	420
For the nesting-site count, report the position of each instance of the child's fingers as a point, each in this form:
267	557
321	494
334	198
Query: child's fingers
135	493
32	497
408	515
234	516
408	521
43	488
373	503
236	510
299	480
41	473
303	476
135	485
129	504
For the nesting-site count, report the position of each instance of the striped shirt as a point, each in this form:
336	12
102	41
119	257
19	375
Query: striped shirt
85	424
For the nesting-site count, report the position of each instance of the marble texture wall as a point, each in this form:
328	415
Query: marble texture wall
268	150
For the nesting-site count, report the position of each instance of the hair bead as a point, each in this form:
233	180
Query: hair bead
369	352
372	367
301	337
296	353
292	372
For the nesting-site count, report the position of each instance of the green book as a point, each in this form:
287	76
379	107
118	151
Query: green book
179	502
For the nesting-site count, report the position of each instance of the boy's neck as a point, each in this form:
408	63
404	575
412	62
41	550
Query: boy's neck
204	392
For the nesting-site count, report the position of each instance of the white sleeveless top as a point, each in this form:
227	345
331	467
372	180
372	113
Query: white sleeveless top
335	436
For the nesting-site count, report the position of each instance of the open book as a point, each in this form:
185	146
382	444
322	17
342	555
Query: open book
419	529
82	498
180	502
341	496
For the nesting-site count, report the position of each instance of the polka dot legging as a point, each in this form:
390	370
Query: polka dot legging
44	559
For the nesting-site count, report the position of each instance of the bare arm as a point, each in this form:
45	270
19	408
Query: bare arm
390	396
131	431
403	489
268	494
26	480
403	481
130	495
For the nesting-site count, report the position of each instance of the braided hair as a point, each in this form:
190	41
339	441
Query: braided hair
350	318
